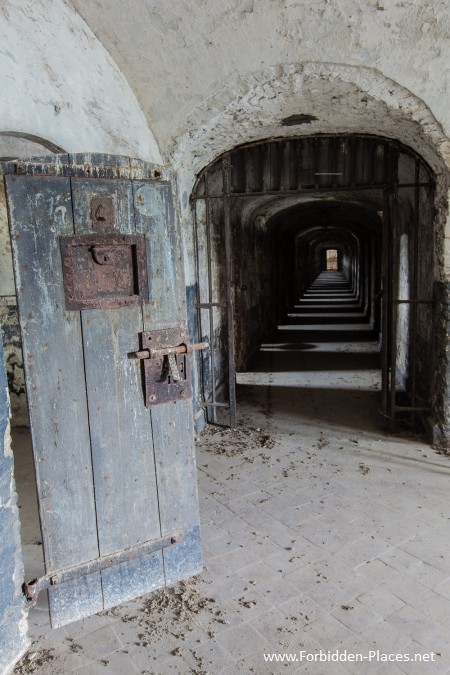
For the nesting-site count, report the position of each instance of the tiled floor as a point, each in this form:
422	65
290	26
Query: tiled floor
320	533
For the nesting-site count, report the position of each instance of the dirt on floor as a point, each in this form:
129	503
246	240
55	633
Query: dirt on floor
236	442
167	612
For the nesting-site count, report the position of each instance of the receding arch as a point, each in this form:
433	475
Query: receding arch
343	99
265	196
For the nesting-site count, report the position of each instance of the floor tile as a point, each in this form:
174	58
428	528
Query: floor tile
307	553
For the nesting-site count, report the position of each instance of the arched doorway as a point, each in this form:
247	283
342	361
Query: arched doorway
266	212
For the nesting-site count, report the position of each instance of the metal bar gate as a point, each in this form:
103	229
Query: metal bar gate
319	165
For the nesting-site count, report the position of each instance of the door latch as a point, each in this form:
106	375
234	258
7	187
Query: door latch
165	354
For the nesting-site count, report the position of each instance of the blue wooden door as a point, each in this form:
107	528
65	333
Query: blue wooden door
116	479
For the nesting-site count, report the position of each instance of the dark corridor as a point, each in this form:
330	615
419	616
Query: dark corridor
267	218
323	362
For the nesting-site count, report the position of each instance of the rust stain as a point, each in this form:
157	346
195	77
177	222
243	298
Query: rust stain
103	214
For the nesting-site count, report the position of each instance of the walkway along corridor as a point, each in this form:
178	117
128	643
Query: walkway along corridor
323	364
319	532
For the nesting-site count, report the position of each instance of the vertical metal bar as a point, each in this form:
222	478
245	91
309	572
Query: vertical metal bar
391	205
414	285
226	169
199	311
386	164
284	170
287	156
212	350
269	159
385	319
317	147
393	248
300	151
333	150
265	168
371	151
371	261
352	161
247	178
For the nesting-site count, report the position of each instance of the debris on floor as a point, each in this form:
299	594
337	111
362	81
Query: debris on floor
308	544
34	661
234	442
169	611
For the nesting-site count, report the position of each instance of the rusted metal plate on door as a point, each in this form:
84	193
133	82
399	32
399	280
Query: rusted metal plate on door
104	271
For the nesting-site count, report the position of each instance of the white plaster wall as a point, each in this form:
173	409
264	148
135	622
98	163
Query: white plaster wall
58	82
341	98
176	55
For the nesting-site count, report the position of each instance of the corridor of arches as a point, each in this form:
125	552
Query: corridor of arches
271	221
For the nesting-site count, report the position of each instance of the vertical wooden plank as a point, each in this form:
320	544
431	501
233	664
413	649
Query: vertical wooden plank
40	210
173	438
155	217
122	448
172	423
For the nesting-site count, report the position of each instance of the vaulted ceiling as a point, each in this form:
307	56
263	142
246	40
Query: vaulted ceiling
185	60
